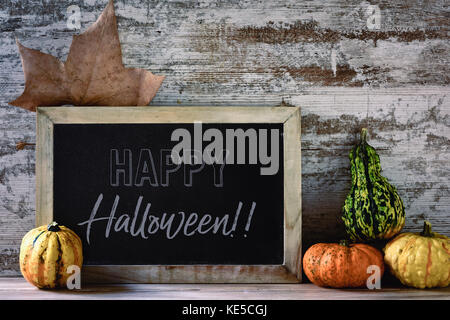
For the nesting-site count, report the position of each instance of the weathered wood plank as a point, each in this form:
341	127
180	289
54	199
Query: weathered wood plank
18	288
262	53
248	46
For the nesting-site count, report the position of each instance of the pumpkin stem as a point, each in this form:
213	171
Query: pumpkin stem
364	135
426	230
344	243
53	227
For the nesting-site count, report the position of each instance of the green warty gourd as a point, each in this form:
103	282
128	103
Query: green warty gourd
373	209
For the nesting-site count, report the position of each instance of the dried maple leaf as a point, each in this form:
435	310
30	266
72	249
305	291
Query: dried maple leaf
92	75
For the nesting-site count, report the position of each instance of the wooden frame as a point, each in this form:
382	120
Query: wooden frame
288	272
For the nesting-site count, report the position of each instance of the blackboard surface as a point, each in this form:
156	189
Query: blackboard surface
145	217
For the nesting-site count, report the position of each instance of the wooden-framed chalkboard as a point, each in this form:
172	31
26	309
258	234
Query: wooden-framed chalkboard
175	194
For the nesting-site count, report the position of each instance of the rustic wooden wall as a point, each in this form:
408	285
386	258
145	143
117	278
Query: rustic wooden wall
316	54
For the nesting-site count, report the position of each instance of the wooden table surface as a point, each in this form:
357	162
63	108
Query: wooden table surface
18	288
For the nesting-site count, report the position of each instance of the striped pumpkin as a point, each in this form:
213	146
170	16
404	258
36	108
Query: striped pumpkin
420	260
373	209
45	254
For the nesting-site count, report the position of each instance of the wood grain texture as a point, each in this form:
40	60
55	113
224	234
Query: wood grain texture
251	53
44	170
18	288
293	194
190	274
155	114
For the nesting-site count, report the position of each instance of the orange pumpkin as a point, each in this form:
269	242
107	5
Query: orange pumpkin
341	265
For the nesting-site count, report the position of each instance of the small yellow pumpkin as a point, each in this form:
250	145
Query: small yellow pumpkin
420	260
45	254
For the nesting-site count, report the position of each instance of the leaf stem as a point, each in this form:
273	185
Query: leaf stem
22	144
